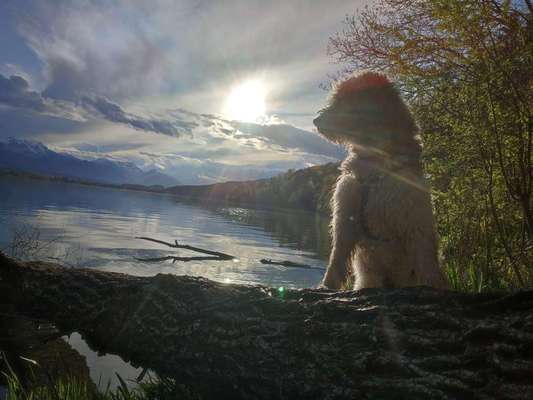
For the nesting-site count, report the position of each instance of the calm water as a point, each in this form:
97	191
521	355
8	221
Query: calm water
94	227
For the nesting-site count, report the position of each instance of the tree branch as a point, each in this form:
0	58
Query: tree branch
176	245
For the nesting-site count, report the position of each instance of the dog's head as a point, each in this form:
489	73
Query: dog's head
366	110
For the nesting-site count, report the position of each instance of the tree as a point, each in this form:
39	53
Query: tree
465	68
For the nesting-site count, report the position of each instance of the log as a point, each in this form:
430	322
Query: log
251	342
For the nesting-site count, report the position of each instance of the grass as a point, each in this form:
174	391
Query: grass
469	277
466	279
68	388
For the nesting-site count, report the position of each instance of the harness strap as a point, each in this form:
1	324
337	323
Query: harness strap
362	208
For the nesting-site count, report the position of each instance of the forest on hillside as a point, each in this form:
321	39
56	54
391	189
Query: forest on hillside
307	189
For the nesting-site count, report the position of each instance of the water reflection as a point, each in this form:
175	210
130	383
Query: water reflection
95	227
104	367
292	228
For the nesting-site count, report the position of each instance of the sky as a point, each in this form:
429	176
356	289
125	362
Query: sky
201	90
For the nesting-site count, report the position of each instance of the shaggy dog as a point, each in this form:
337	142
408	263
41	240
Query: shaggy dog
383	229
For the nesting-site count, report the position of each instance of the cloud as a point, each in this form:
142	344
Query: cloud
214	137
287	136
15	93
280	136
113	73
190	170
203	154
106	148
93	47
110	111
190	51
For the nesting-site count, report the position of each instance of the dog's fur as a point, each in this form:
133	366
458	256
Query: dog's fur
383	229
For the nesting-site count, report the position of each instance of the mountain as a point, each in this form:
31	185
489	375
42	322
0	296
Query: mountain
34	157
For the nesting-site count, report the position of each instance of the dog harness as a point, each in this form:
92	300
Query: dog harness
366	185
362	208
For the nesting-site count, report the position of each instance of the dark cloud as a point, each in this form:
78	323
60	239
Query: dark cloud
114	113
14	92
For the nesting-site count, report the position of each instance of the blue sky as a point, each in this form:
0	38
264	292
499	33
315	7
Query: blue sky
149	81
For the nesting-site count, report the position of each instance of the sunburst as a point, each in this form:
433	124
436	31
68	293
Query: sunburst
246	102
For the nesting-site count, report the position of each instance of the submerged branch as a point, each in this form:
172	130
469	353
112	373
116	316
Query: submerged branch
217	255
184	259
290	264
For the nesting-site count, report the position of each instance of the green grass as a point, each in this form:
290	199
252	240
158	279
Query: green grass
73	389
465	279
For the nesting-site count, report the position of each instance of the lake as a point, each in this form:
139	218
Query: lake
95	227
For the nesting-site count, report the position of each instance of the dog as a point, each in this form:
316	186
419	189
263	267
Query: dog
383	229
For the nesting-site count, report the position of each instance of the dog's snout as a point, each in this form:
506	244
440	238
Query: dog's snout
316	121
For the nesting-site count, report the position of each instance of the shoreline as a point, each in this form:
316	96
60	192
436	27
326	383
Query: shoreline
206	195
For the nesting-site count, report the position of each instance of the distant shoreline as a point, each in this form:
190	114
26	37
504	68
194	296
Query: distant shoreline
312	187
64	179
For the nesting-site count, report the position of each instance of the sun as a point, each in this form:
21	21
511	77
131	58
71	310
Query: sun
246	102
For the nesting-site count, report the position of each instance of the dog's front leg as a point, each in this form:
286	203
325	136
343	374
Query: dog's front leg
340	265
343	231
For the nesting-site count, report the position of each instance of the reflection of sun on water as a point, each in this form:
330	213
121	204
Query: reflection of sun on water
246	102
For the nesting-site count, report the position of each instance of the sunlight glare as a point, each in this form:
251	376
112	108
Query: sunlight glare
246	102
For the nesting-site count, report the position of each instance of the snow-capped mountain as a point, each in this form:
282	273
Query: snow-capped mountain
34	157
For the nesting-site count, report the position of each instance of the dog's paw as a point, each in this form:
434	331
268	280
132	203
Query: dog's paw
331	282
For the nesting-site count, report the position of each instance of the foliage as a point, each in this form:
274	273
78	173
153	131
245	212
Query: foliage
27	242
66	389
74	389
465	68
307	189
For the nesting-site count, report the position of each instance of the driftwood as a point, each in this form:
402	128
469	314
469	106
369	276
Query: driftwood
212	255
290	264
229	341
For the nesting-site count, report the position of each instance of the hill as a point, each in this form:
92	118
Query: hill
306	189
